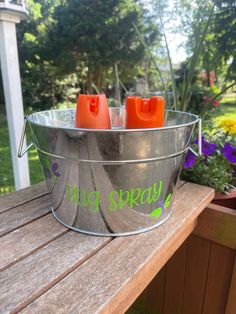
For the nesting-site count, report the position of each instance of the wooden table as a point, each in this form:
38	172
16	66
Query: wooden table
46	268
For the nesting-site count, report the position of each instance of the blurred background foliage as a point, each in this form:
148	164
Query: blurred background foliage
70	46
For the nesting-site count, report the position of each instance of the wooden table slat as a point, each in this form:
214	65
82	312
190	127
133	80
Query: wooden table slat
29	278
23	196
31	237
23	214
111	279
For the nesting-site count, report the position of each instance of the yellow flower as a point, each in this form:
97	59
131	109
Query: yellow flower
229	125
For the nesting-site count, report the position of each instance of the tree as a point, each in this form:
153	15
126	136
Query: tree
99	33
39	75
225	33
220	42
66	45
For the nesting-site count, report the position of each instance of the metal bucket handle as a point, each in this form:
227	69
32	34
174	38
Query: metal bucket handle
21	152
199	153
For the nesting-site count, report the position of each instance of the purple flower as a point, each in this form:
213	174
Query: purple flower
47	173
229	152
208	149
161	204
190	160
54	169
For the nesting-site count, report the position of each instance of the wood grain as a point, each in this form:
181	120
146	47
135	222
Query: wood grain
140	305
152	298
155	293
31	237
198	271
23	214
198	255
219	279
174	285
32	276
22	196
114	283
231	302
218	224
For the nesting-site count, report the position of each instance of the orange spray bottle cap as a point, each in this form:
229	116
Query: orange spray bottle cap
92	112
144	113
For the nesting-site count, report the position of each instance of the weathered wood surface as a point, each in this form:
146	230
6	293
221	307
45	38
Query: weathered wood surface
208	269
22	196
35	274
52	270
23	214
31	237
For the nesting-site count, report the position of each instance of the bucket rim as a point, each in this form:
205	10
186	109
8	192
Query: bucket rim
29	119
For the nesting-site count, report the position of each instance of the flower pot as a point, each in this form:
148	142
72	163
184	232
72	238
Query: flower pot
226	200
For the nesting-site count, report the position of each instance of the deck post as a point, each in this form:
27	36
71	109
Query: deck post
13	94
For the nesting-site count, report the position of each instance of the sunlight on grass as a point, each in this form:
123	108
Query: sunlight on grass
34	158
227	108
226	118
4	149
6	189
6	171
229	98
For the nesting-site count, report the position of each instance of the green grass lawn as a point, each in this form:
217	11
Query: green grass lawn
6	171
226	114
227	107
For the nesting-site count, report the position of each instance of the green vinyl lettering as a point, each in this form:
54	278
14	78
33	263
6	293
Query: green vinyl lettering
157	194
93	201
167	200
73	194
146	196
156	212
123	198
113	204
134	196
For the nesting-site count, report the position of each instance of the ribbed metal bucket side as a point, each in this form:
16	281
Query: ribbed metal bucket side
112	183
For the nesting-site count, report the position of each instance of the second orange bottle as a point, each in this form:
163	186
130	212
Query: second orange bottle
144	113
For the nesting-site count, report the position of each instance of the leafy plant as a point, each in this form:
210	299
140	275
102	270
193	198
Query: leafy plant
216	168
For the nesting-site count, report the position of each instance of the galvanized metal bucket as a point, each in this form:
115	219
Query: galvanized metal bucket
110	182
